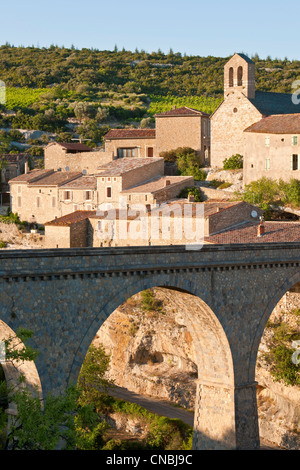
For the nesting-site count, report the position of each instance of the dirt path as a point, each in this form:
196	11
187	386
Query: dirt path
164	408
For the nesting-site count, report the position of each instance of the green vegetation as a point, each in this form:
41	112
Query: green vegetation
163	433
76	419
196	192
47	86
149	302
267	192
206	104
22	97
233	163
12	218
187	161
279	356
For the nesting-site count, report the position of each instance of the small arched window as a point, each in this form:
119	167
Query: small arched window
240	76
231	76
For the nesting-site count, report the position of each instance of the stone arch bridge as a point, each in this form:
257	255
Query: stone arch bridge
65	295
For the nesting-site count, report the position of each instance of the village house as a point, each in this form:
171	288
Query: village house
35	195
42	195
138	143
64	156
242	106
179	222
272	148
182	127
12	165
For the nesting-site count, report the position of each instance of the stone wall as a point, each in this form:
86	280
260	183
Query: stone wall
228	123
278	153
181	131
56	158
141	146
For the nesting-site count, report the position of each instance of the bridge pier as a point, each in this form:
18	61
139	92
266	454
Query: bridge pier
225	417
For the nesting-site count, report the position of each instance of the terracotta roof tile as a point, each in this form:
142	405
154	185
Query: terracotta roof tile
277	124
56	179
31	176
83	182
275	232
74	146
14	157
71	218
130	134
157	184
184	111
123	165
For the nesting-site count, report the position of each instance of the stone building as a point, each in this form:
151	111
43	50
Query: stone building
180	222
12	165
139	143
272	148
62	156
242	106
43	195
183	127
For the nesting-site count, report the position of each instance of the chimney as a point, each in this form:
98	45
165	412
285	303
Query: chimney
261	227
167	182
26	168
191	198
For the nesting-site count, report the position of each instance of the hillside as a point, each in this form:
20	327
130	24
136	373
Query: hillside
56	88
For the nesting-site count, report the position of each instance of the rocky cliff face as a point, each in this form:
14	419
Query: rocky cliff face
152	353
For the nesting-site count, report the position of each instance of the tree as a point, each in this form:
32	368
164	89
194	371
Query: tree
68	420
92	382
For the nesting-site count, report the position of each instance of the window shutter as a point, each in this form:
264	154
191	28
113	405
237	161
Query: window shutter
298	162
292	162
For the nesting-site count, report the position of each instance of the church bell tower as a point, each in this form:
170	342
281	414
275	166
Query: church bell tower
239	75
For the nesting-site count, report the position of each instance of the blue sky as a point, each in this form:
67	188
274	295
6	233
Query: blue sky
195	27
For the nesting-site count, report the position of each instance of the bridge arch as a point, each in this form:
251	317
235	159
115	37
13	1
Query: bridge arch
272	302
213	427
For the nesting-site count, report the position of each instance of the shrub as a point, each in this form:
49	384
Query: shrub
196	192
233	163
3	244
279	356
149	302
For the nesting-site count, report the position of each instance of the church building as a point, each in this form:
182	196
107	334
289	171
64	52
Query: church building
242	106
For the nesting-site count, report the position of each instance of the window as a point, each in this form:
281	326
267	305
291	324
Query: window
295	162
127	152
88	195
75	207
267	141
150	152
19	189
108	192
54	202
67	195
267	164
204	128
89	207
231	77
240	76
294	140
38	202
19	201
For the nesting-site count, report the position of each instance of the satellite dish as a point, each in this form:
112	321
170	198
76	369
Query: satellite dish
84	172
67	168
254	214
